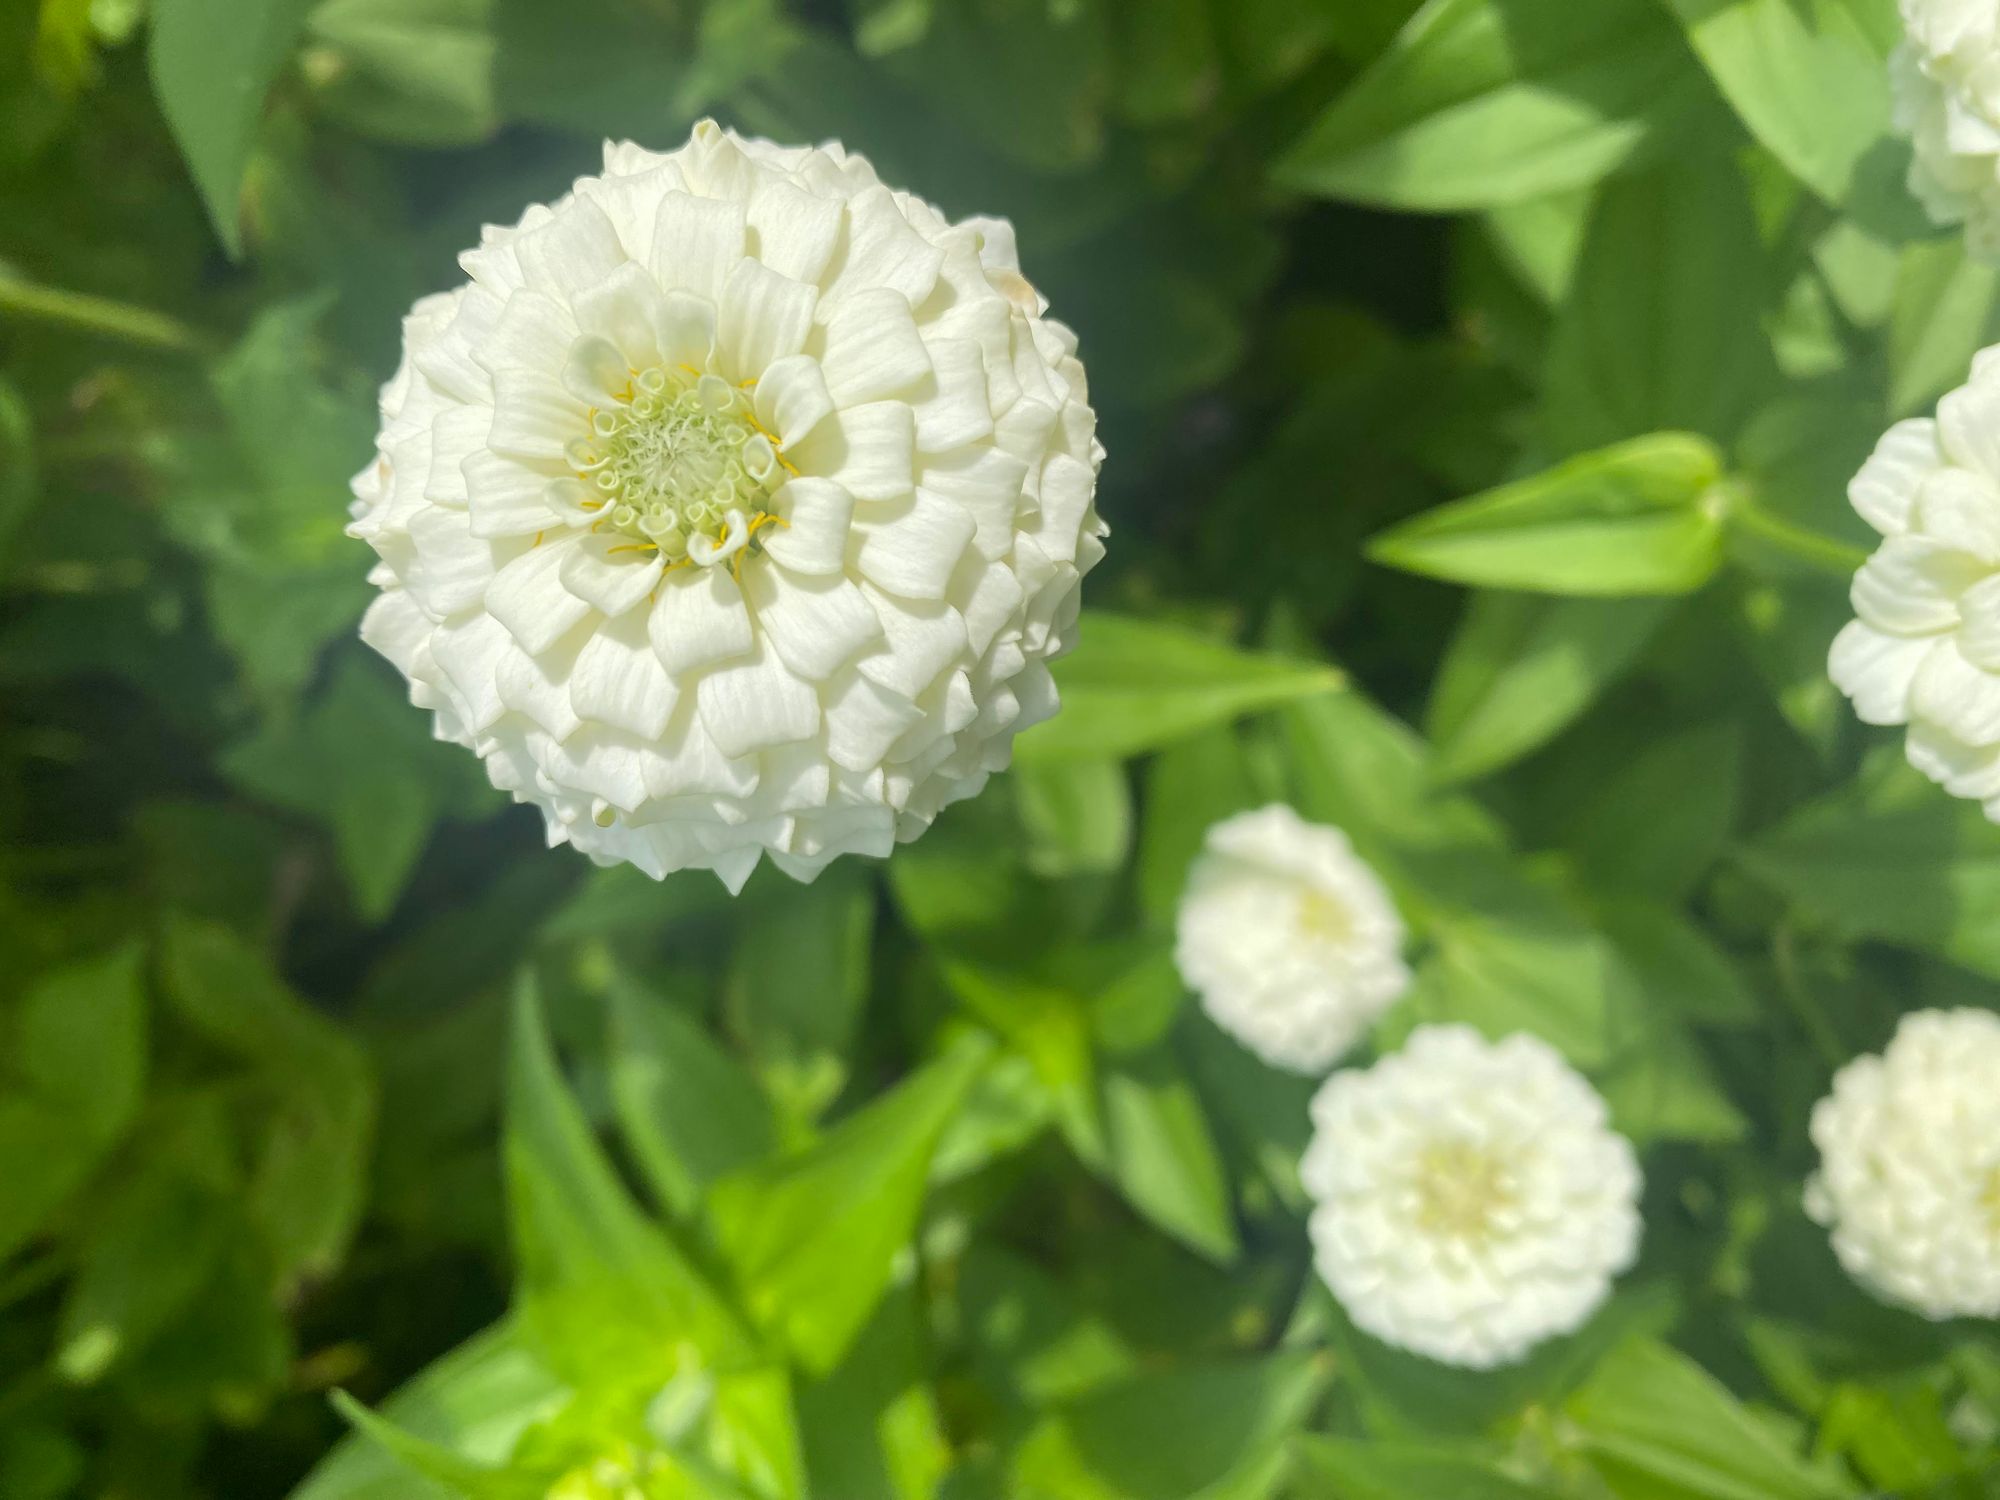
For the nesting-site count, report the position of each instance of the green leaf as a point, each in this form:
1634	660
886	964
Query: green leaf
690	1112
458	1475
1806	79
1521	668
212	65
604	1291
1652	1413
1169	1433
74	1066
310	1178
1945	309
475	1401
364	763
1163	1157
1643	517
1617	832
1381	1471
20	486
1135	685
795	1004
415	71
813	1239
872	1429
1891	857
1483	102
1190	786
1652	335
1077	815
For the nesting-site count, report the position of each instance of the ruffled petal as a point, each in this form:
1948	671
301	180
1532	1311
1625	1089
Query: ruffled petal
816	624
754	702
699	618
813	540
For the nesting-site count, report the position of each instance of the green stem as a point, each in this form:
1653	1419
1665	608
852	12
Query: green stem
1821	552
101	315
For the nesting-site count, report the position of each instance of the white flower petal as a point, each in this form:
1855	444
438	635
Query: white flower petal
753	703
611	572
816	624
863	719
763	318
924	637
873	349
1957	697
1960	511
533	416
813	540
618	680
1877	670
1886	488
1911	586
910	547
699	618
791	398
527	596
793	230
506	498
577	248
882	250
955	409
869	451
697	242
628	309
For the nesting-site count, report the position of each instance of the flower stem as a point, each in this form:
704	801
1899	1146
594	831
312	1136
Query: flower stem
101	315
1823	553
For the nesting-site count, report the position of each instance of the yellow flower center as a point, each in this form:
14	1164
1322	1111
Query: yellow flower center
1323	918
681	456
1462	1188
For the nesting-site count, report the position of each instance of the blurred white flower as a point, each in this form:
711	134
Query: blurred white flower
1470	1199
1290	940
735	505
1925	650
1945	82
1909	1178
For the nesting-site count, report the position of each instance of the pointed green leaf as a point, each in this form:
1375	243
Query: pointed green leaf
212	64
456	1474
690	1111
814	1239
1643	517
603	1288
1163	1157
1482	102
1134	685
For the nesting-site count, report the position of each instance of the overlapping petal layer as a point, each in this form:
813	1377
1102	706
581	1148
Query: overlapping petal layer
735	505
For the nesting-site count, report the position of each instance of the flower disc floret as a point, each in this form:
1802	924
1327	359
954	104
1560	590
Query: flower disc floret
1470	1199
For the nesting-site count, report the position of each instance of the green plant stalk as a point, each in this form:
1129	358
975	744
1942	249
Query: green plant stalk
99	315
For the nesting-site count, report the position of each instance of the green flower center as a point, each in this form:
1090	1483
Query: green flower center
681	457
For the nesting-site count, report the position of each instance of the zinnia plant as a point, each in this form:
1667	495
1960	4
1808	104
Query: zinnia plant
649	851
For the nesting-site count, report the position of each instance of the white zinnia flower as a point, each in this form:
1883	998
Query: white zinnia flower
1290	940
1945	81
1926	648
1909	1178
1471	1200
737	503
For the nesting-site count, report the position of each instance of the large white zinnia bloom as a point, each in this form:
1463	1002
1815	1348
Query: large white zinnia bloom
1946	87
1470	1199
1289	939
1925	650
737	503
1909	1178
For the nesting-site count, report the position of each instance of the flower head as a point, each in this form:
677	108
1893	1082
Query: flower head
1945	82
1925	650
1290	940
735	505
1909	1178
1470	1199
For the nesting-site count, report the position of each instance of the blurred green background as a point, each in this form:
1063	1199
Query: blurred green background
989	1207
